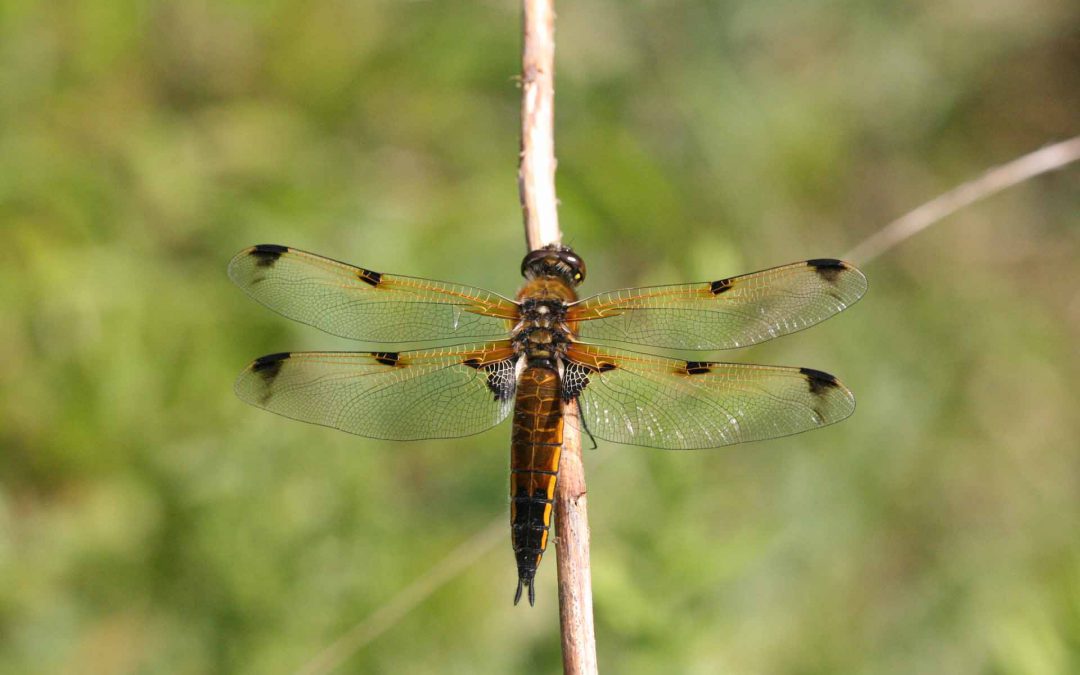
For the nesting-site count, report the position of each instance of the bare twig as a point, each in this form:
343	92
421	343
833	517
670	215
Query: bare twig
536	183
993	181
536	172
572	555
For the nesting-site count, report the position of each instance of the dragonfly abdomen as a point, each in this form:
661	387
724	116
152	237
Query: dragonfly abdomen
536	445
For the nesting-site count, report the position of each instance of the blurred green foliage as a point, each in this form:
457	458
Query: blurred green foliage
151	523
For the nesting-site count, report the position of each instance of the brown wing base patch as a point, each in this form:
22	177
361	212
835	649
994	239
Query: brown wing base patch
499	366
579	366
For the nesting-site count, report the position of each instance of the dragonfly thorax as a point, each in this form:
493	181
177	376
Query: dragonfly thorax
542	333
546	312
541	344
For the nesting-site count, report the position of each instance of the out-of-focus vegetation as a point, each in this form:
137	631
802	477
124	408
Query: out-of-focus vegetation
152	523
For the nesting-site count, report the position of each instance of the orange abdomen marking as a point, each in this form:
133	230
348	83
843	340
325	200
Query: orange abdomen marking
536	445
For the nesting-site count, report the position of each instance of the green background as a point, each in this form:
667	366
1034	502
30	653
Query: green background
152	523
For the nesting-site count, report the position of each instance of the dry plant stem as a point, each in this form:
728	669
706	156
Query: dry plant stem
993	181
536	171
536	183
572	554
389	614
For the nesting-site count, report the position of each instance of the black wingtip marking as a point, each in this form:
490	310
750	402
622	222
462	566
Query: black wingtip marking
267	254
820	383
828	268
269	366
697	367
720	285
369	277
387	358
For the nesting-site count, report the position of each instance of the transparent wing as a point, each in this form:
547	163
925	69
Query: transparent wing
364	305
639	399
438	393
722	314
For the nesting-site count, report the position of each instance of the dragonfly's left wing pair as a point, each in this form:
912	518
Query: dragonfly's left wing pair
624	397
403	396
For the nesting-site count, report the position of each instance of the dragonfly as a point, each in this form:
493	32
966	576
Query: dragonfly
488	356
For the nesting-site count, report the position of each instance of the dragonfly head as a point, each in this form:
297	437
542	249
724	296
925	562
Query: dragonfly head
554	261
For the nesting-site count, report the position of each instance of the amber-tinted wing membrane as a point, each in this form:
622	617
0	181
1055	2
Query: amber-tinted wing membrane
364	305
725	313
438	393
626	397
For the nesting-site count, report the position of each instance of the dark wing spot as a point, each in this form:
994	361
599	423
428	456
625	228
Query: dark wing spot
828	268
386	358
267	254
269	366
369	277
820	383
473	363
605	367
697	367
719	286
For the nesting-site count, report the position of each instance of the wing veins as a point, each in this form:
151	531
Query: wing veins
671	415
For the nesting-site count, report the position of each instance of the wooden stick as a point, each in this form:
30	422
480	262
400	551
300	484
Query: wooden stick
572	555
536	170
536	184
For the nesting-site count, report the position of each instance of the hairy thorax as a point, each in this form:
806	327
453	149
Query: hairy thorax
543	333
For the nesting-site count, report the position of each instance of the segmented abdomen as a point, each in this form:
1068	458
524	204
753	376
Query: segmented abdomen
534	467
